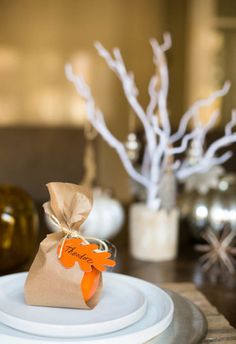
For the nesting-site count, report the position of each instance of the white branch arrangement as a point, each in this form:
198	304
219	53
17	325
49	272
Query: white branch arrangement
156	123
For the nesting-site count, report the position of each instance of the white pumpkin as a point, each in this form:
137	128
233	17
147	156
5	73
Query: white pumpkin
104	221
106	217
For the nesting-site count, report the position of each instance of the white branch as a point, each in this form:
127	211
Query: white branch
209	125
157	158
184	144
155	123
96	118
145	169
166	45
117	65
231	124
220	143
209	159
198	135
221	159
203	166
194	110
161	64
153	97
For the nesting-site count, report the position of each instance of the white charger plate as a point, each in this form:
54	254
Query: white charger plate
157	318
121	305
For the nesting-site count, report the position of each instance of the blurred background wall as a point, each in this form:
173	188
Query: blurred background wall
42	118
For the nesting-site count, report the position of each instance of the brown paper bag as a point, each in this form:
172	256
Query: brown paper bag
49	283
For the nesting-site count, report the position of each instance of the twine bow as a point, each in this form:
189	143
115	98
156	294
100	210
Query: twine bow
69	206
72	233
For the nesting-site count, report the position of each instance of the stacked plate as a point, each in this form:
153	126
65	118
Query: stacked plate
130	311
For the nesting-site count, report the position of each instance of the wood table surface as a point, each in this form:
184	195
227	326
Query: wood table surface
218	287
219	329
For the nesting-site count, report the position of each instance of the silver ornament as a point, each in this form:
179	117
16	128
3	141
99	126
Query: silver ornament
132	146
215	208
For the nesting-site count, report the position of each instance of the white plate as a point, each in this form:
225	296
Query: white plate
157	318
121	305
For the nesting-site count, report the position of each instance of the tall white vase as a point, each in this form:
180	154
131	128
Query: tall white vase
153	234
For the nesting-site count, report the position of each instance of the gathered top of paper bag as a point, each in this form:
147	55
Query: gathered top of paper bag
69	204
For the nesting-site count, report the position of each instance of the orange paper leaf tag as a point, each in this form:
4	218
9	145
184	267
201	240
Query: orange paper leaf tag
75	251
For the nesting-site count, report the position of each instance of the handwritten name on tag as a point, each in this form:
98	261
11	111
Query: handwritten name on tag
75	251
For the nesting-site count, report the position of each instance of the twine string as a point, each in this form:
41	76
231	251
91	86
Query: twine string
69	232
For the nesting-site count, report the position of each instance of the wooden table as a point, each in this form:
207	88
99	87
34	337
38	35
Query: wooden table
220	290
219	330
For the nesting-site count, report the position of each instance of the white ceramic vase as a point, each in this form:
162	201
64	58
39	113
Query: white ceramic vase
153	234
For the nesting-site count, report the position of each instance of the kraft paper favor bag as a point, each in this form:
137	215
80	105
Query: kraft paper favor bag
67	270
